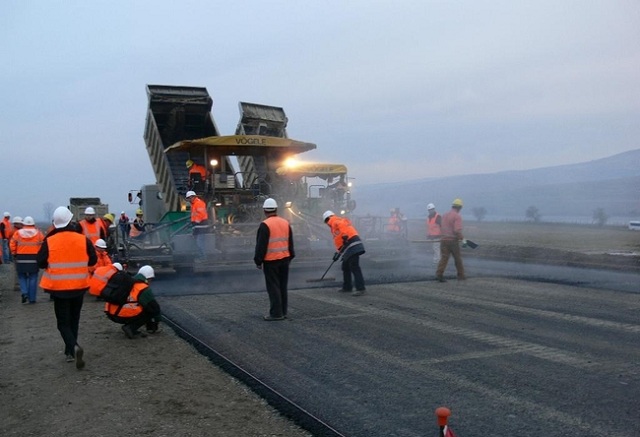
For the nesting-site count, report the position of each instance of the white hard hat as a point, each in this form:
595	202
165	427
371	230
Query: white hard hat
147	272
431	206
17	220
118	266
121	212
28	221
326	215
190	194
7	214
61	217
101	243
270	205
90	210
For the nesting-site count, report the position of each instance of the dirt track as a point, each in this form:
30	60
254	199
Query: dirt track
157	385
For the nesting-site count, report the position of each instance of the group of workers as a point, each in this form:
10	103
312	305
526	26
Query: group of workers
72	256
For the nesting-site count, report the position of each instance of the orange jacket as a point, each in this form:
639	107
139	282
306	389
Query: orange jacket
100	277
130	309
24	246
68	260
8	228
278	246
393	225
199	211
197	168
433	228
103	260
341	227
93	231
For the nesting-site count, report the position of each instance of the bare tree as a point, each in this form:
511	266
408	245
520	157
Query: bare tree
532	213
600	217
48	211
479	212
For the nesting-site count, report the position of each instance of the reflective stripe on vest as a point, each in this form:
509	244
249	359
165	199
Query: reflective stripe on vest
278	246
130	309
67	263
100	278
91	230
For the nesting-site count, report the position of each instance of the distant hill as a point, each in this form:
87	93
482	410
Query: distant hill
559	192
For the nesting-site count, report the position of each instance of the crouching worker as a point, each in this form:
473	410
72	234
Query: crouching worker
140	308
129	300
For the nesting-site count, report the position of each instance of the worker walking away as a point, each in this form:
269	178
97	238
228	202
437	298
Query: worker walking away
273	254
197	177
65	256
25	245
140	308
434	232
91	227
199	223
350	246
138	228
6	232
451	229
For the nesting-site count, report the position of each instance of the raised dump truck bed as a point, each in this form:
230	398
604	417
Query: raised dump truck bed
175	113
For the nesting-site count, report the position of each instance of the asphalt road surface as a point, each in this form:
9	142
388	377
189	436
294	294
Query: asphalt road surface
516	350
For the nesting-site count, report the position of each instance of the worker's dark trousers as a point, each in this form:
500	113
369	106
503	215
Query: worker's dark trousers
68	317
352	266
276	277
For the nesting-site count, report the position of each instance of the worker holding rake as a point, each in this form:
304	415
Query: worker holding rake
349	245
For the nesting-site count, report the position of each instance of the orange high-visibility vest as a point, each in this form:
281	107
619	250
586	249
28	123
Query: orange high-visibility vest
100	277
68	260
278	246
25	246
135	232
8	228
91	230
130	309
433	228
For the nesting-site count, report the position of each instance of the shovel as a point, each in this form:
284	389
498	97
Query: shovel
471	244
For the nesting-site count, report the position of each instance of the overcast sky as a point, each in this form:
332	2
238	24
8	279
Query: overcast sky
396	90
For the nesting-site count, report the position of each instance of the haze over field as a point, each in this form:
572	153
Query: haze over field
397	91
561	193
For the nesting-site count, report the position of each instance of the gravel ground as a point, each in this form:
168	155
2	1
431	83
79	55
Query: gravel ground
158	385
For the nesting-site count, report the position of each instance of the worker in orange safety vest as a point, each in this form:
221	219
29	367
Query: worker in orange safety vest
199	222
25	245
6	232
434	221
348	245
65	256
92	228
273	254
140	309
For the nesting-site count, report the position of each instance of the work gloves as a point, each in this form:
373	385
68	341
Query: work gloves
336	256
464	243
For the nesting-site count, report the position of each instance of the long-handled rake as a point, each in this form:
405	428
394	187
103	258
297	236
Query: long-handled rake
322	278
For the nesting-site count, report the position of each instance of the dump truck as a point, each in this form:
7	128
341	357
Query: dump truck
240	171
77	206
